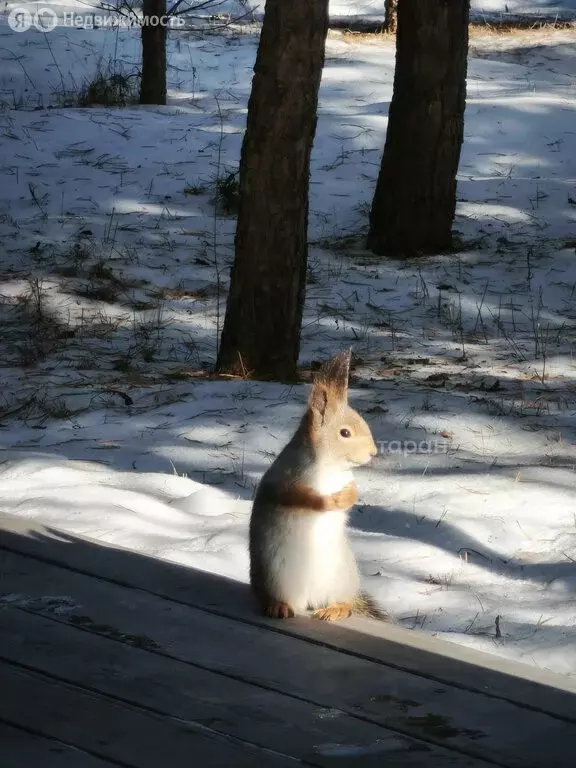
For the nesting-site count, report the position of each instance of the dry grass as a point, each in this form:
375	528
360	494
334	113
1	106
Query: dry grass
526	26
372	32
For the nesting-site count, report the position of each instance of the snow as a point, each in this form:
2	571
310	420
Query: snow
113	252
374	8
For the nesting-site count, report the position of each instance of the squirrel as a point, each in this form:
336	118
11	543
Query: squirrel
300	558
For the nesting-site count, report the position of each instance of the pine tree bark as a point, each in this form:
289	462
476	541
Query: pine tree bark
261	332
153	37
415	198
390	16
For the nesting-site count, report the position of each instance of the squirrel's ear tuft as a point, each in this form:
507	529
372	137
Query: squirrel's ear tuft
333	375
329	389
318	404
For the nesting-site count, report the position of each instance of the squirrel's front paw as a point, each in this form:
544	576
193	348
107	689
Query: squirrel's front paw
277	610
334	612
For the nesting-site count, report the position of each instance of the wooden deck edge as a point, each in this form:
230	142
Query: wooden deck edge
389	645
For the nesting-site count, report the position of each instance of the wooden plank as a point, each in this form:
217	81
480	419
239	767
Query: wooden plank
474	724
447	663
315	734
115	731
20	749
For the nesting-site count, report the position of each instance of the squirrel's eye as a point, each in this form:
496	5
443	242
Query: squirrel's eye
345	432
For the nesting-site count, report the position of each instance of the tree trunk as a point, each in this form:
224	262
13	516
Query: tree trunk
415	199
261	333
390	16
153	35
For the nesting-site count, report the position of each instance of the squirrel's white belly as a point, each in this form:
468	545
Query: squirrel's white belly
310	562
326	482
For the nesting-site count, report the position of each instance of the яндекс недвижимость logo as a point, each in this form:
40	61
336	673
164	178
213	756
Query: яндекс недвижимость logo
45	20
21	20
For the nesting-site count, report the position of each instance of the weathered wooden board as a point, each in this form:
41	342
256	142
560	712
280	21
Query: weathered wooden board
478	725
22	749
167	687
115	731
447	663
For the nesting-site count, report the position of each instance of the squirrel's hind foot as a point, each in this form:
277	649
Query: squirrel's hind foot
335	612
278	610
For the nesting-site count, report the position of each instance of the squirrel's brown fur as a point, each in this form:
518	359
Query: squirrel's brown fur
304	499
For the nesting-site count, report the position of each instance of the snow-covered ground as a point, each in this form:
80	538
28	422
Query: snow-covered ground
489	9
339	9
464	364
374	8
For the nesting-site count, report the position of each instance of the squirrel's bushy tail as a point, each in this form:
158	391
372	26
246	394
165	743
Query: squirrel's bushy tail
365	605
